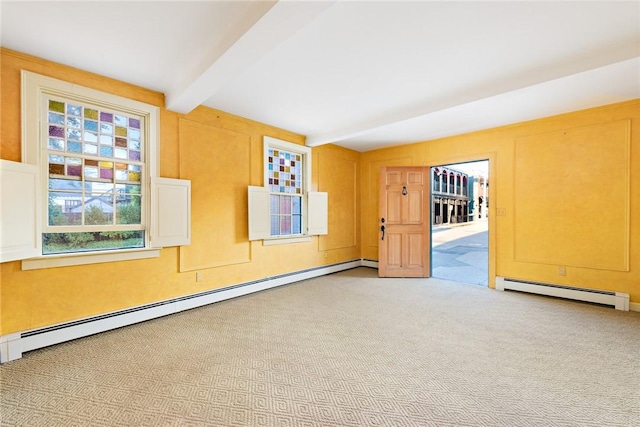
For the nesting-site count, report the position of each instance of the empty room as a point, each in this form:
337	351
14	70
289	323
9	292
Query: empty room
220	213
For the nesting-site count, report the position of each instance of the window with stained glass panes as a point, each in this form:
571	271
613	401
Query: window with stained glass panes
95	168
285	174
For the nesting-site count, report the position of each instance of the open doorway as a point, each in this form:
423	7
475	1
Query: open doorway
459	222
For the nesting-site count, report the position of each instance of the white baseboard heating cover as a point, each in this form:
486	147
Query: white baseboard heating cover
13	345
618	300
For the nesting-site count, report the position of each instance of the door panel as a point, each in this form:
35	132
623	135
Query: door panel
415	207
404	221
416	248
415	178
394	211
394	250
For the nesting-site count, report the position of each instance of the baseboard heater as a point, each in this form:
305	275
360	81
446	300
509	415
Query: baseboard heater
13	345
618	300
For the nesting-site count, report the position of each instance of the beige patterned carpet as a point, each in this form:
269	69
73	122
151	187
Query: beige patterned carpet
347	349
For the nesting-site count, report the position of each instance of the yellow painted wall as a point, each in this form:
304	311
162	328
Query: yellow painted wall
581	155
222	155
36	298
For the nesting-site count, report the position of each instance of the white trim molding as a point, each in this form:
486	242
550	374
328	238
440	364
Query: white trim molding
12	346
619	300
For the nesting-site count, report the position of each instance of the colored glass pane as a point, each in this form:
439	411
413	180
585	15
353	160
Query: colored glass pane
122	175
106	128
106	117
56	119
73	161
134	133
56	144
90	137
91	162
296	224
74	110
91	125
56	131
106	140
90	113
106	151
56	106
56	169
120	153
134	176
64	184
90	172
121	142
285	225
296	205
74	170
74	134
134	123
56	159
106	173
121	131
134	155
73	122
74	147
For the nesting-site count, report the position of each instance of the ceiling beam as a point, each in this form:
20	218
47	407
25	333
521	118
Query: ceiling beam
262	27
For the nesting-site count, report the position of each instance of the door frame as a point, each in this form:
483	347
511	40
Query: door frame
491	157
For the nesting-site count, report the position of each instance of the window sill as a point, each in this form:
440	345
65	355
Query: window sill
286	240
52	261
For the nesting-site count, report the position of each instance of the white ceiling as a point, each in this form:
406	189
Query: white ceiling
360	74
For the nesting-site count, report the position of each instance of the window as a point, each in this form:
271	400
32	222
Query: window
95	162
95	158
285	209
286	187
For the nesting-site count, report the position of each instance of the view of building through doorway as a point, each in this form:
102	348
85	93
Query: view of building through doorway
459	226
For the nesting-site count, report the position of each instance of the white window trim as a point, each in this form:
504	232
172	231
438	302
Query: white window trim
34	88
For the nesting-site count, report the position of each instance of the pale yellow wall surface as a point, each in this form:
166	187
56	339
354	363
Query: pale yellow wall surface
498	145
31	299
338	174
37	298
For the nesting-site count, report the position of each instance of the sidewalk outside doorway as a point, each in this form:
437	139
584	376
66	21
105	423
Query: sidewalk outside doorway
460	252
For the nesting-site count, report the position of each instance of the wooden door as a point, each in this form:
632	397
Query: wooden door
404	226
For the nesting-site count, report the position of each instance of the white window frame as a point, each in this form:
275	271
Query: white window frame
35	88
314	204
